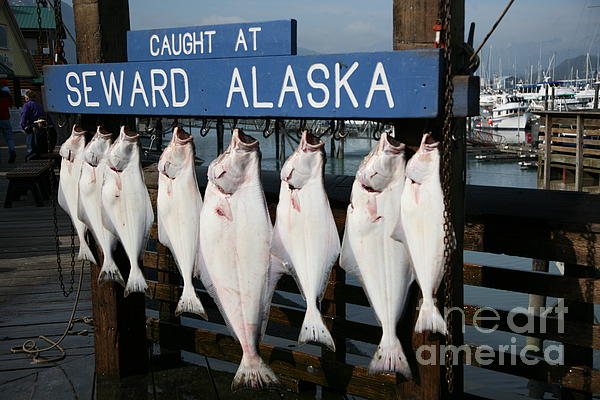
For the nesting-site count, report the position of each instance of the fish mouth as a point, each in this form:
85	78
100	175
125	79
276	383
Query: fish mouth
428	143
181	137
130	136
77	130
103	133
243	140
393	145
310	142
370	189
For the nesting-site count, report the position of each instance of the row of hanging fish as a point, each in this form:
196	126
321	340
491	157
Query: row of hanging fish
394	232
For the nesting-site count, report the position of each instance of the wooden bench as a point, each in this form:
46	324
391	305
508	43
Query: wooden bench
34	175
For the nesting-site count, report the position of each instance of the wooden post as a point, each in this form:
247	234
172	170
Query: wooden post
546	99
579	154
578	313
596	88
119	323
536	388
547	151
553	97
413	28
220	131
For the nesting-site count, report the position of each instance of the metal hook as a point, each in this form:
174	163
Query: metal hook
205	127
340	130
266	132
234	124
377	131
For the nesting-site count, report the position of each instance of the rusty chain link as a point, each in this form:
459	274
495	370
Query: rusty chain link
59	49
446	180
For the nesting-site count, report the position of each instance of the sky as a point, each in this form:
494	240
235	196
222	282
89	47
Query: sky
532	32
566	28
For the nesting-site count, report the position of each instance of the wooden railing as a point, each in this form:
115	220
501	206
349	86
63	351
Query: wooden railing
558	226
575	145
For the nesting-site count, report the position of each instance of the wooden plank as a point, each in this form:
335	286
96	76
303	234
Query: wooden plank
579	155
585	290
573	377
564	149
547	328
547	152
310	368
567	159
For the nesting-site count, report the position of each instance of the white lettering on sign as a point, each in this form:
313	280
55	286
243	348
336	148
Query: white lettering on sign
112	85
186	97
177	43
321	86
289	85
87	89
236	86
138	88
74	89
343	82
378	74
254	29
158	88
255	102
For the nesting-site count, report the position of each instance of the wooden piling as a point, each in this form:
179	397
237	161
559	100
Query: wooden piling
579	154
119	323
547	151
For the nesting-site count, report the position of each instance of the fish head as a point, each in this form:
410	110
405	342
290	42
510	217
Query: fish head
425	162
124	151
74	145
305	163
237	165
178	155
383	165
98	147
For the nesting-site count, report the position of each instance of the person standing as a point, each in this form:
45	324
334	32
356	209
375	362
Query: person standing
5	127
32	111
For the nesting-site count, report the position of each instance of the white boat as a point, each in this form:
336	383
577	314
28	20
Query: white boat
511	113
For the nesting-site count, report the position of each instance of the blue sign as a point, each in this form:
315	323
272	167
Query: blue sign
273	38
400	84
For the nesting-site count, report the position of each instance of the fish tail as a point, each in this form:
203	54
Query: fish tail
390	357
253	373
110	272
85	253
314	329
430	318
190	303
135	282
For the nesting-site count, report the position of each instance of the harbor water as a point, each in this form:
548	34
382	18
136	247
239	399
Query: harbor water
477	380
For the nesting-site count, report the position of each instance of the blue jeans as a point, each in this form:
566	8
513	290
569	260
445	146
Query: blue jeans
29	142
8	134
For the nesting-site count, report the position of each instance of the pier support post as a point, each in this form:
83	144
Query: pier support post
579	155
220	132
547	151
119	323
413	29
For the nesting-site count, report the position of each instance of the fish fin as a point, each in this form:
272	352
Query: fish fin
314	330
282	259
85	253
190	303
135	282
430	318
390	357
253	373
277	269
107	222
399	234
347	258
110	272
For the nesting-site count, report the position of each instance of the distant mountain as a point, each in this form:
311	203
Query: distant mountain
576	66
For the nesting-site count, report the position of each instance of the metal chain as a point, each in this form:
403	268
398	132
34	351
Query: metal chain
38	4
446	174
59	50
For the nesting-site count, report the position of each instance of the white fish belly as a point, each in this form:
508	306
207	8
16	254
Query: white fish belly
178	209
68	192
308	238
382	263
422	218
90	204
236	253
126	211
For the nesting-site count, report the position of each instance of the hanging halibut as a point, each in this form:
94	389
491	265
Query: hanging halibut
235	241
380	263
90	201
178	208
126	208
421	227
68	194
305	237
